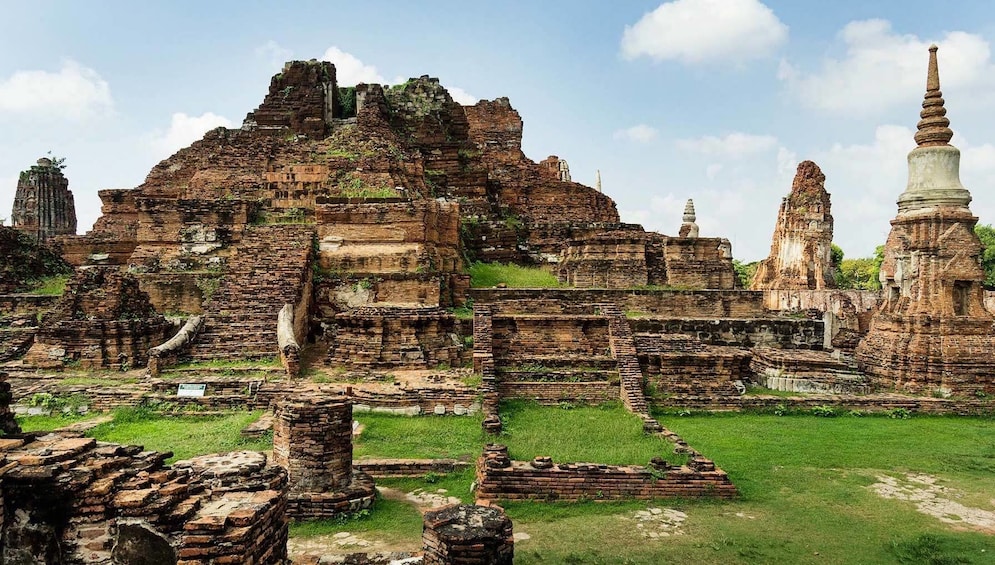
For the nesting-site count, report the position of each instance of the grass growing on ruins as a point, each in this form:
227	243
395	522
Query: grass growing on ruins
806	498
185	436
485	275
50	286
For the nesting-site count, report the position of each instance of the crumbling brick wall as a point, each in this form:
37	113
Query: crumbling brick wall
69	499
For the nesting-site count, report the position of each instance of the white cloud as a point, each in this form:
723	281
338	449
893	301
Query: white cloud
640	133
350	71
735	144
274	54
74	92
184	130
695	31
461	96
713	170
881	68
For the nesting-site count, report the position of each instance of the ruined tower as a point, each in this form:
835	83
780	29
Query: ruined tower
932	332
43	203
801	249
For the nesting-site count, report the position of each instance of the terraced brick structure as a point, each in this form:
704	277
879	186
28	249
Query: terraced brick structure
932	333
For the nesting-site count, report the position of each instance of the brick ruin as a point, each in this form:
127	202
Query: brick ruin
312	439
70	499
103	320
932	331
463	533
43	203
345	218
801	249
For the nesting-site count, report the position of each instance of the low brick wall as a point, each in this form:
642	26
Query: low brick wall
381	468
687	303
17	303
867	403
557	392
591	481
786	333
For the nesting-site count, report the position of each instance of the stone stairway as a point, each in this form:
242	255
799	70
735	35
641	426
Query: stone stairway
269	269
623	347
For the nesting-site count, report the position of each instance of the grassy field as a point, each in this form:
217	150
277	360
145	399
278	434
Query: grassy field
186	436
805	498
485	275
805	482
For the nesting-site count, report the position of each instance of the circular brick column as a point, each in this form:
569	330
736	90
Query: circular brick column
463	533
312	439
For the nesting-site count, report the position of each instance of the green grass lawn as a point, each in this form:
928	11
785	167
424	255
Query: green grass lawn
805	499
485	275
804	482
185	436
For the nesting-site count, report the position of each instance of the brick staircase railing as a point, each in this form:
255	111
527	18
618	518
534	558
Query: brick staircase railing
270	269
623	347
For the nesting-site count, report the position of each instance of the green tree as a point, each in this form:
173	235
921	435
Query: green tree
987	235
745	272
860	273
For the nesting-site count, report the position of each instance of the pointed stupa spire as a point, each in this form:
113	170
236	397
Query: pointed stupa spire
688	227
934	126
597	179
689	211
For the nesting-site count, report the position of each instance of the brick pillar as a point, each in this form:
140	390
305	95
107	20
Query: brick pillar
312	439
8	425
463	533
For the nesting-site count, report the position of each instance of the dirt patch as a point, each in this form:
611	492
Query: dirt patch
935	500
655	523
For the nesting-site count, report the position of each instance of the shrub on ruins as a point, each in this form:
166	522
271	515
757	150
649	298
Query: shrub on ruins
24	263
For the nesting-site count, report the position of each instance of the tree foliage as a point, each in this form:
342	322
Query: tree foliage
745	272
987	235
859	273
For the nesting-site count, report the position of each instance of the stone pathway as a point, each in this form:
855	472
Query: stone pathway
934	499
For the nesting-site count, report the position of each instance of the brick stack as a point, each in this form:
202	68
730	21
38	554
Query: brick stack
312	439
483	363
103	320
467	534
301	97
8	424
390	336
270	269
90	502
680	364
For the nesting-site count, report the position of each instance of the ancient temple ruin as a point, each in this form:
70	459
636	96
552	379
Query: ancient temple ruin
801	248
932	331
43	203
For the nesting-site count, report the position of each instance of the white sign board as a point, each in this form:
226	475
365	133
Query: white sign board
191	390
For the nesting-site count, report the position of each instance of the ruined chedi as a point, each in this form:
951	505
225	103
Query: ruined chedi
688	227
801	249
932	332
43	203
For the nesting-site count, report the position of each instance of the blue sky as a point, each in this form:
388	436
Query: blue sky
715	100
